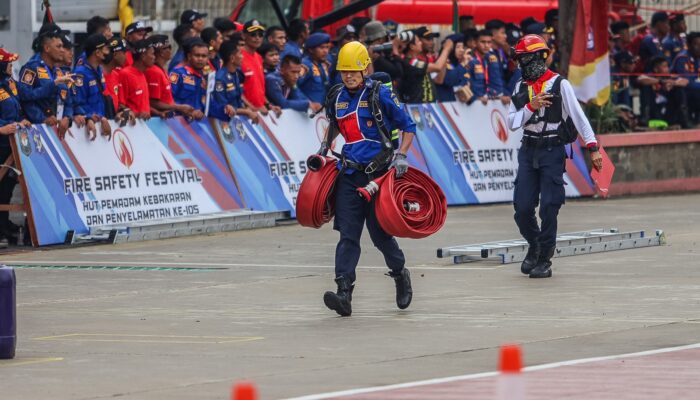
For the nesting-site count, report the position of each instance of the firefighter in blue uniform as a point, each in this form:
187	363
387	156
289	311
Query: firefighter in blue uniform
70	101
687	65
90	85
357	110
484	70
11	119
42	84
189	84
674	43
315	76
226	99
545	106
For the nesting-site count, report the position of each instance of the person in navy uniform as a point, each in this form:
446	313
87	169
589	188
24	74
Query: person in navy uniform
181	34
367	154
651	46
226	100
315	75
282	90
297	33
189	84
687	65
71	106
90	86
42	84
675	42
484	70
545	106
11	120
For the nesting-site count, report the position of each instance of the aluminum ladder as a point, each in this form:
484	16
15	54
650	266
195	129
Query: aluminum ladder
568	244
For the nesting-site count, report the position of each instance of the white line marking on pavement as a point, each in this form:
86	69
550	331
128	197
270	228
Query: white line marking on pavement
352	392
203	264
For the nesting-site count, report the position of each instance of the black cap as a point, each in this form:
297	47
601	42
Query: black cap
535	29
66	39
117	44
424	33
189	16
94	42
192	42
676	18
659	16
223	24
138	26
252	26
141	46
618	26
52	30
160	41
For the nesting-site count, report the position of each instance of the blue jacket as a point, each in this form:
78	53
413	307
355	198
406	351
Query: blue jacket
455	76
485	76
227	90
362	138
189	87
279	94
292	48
10	108
37	91
672	46
89	85
688	67
314	80
649	48
178	58
70	107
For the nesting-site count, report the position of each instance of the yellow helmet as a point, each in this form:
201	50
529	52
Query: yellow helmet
353	57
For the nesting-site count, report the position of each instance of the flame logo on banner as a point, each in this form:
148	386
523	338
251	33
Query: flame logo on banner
498	123
122	148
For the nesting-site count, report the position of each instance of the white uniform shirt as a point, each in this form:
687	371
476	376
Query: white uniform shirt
570	107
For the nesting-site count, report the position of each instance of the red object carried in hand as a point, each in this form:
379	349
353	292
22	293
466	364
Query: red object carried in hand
603	179
316	200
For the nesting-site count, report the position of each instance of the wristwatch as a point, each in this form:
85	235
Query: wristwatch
593	149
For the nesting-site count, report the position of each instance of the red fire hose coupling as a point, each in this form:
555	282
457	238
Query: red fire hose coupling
412	206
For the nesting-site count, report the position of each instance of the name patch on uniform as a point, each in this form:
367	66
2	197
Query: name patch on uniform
364	104
493	58
188	80
28	76
43	73
230	87
418	63
92	82
478	69
341	105
174	77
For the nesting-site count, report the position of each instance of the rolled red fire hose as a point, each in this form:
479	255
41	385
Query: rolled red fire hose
412	206
316	200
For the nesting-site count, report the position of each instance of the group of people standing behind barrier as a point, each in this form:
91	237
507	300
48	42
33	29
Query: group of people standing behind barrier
660	61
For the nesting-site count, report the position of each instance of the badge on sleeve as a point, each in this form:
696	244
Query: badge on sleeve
304	70
44	74
13	87
79	80
219	86
174	77
28	77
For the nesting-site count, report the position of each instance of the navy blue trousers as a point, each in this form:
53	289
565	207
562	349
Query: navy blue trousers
540	180
351	214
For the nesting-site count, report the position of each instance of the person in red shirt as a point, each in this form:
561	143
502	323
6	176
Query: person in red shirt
135	32
254	86
133	79
159	88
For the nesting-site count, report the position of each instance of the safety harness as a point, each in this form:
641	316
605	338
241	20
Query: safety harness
384	157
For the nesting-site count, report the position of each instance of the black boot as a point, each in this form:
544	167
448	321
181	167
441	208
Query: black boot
404	292
340	301
543	268
533	252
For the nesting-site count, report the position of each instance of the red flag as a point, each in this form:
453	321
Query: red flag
589	68
48	17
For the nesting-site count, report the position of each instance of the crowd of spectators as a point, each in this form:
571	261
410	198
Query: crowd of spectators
660	63
249	69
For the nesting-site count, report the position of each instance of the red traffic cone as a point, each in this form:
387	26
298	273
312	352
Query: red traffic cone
244	391
511	359
511	383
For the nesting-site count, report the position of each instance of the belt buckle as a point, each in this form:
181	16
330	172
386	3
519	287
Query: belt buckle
371	168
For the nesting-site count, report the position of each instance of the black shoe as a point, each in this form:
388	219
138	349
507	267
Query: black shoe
404	292
543	268
340	301
533	252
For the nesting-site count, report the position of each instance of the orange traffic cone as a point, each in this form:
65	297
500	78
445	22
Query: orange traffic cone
244	391
511	384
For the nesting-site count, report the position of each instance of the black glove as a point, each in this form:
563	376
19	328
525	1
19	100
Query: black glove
400	164
323	150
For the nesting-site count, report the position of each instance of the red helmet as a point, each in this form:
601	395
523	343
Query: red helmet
530	44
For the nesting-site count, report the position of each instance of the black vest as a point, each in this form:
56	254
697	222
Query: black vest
552	115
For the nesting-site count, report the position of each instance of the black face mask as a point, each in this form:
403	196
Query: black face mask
532	65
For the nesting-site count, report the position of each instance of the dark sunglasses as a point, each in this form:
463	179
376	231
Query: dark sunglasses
257	33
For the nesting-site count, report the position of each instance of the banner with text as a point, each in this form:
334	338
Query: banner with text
153	170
